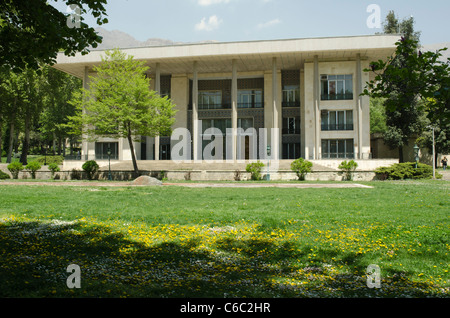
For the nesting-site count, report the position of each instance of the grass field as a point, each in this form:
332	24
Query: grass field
174	241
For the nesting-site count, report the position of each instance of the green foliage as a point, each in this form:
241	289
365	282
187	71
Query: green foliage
33	166
255	169
53	167
301	167
377	116
15	167
91	168
4	175
410	75
348	167
319	240
50	159
119	103
76	174
406	170
57	89
50	31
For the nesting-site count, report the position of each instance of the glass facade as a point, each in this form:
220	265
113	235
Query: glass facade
338	149
337	87
101	150
337	120
250	99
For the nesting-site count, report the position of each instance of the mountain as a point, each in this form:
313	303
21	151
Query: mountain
118	39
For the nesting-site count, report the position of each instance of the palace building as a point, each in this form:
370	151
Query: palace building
308	90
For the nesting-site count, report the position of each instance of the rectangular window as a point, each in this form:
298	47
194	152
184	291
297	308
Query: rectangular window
291	96
337	120
337	87
209	99
291	126
338	149
245	123
250	99
102	148
222	125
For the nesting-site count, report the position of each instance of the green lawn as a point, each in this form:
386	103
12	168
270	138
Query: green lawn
174	241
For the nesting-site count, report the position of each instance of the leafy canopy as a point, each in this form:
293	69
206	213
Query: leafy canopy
119	102
33	32
409	75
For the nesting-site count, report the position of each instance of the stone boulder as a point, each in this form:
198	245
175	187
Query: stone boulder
146	181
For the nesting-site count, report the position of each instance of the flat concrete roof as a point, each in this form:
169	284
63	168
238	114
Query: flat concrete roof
251	56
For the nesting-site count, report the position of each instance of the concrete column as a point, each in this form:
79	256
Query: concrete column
158	90
316	109
85	144
195	133
276	140
88	147
302	115
234	112
359	104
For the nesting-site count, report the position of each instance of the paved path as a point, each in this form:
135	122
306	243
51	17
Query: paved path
269	185
189	185
445	174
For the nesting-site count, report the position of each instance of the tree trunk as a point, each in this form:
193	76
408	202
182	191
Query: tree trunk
26	141
400	154
64	140
1	138
60	146
11	142
133	155
54	144
11	133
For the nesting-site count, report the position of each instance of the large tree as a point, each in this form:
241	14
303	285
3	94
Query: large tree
58	88
396	85
13	88
33	32
415	85
120	104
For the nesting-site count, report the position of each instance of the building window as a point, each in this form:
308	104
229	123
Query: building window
291	150
222	125
291	96
210	99
164	152
250	99
291	126
337	87
101	150
338	148
337	120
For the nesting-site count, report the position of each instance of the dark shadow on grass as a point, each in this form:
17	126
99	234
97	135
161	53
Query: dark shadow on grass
35	256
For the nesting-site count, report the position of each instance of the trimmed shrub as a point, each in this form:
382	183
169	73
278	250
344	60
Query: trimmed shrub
15	167
50	159
91	168
255	169
53	167
406	170
301	167
348	167
4	175
33	166
76	174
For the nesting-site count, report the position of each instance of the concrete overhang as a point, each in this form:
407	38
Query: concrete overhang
250	55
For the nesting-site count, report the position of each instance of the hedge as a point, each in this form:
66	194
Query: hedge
406	170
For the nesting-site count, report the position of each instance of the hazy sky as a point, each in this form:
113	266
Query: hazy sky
247	20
